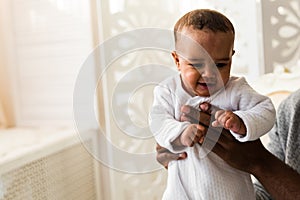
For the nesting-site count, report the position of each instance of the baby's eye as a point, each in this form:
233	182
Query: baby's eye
220	65
198	65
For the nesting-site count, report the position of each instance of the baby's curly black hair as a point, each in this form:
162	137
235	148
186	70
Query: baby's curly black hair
204	19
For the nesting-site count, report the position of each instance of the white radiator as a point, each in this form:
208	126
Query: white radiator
46	165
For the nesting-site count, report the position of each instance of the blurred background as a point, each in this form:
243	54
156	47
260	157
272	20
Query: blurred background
44	44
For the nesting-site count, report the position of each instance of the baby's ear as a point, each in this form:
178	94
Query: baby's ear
176	59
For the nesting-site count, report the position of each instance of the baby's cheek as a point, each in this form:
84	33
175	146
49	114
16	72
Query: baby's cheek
192	74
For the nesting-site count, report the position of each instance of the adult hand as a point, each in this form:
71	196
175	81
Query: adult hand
240	155
164	156
279	179
233	152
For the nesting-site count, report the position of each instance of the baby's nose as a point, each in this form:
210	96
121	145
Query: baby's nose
208	71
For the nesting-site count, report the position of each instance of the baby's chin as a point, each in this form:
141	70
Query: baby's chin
205	92
208	92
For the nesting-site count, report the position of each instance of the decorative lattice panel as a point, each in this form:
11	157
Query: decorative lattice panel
281	22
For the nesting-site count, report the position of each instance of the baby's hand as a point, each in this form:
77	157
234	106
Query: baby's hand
229	120
194	133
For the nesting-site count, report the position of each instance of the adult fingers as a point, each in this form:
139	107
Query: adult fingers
219	135
194	116
190	112
225	138
158	147
182	156
164	156
186	118
189	142
205	119
219	141
199	132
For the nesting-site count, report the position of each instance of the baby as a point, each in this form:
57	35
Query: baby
204	43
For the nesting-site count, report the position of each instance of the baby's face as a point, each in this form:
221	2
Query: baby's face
204	60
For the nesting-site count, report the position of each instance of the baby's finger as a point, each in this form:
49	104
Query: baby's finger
229	123
219	114
215	124
224	121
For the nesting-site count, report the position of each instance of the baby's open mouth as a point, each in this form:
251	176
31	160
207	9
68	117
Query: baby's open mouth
206	84
203	84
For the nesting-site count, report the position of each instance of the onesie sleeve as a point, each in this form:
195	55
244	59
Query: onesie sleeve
163	124
257	111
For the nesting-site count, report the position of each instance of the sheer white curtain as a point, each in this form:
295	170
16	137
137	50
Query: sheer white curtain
3	122
6	60
50	41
